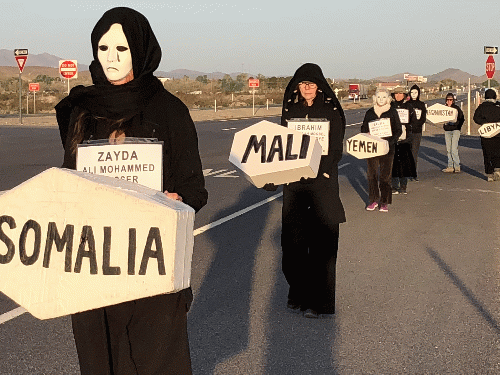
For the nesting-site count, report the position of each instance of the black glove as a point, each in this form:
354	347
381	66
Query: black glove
270	187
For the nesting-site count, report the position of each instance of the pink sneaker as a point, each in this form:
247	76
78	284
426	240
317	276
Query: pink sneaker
384	208
372	206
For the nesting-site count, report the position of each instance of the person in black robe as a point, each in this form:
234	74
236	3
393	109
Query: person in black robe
488	112
146	336
312	209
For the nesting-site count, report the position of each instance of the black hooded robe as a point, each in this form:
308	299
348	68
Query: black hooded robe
146	336
312	209
421	116
489	112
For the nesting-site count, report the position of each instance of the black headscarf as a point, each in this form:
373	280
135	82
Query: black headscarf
415	87
311	73
116	102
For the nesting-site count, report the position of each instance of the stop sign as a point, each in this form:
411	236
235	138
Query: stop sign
68	68
490	67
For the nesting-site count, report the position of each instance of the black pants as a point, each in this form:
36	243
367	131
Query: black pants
491	153
416	138
146	337
309	241
379	174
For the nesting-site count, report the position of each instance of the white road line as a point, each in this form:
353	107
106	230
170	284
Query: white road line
358	123
236	214
12	314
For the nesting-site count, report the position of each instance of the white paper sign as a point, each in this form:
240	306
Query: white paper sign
380	128
418	113
402	137
438	113
489	130
139	162
364	146
73	241
270	153
404	115
315	128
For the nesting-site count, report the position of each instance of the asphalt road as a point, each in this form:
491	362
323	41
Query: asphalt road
417	288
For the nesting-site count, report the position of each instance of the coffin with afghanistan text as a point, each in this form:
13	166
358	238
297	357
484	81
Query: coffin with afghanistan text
270	153
73	241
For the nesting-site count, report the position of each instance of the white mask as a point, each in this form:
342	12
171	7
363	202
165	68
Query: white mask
414	94
382	98
114	53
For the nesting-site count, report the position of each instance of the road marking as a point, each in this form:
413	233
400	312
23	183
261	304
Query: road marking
467	190
358	123
229	129
227	174
236	214
12	314
219	173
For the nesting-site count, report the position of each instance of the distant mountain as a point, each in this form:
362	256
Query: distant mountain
454	74
44	59
193	74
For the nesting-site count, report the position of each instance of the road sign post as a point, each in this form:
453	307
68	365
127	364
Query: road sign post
253	82
68	69
490	68
34	87
21	55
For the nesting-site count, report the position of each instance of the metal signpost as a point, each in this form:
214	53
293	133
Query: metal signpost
68	69
253	82
21	55
34	87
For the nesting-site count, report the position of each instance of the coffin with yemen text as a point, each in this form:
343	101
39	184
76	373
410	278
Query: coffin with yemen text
72	241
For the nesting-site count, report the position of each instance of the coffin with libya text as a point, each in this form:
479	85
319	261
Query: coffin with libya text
72	241
270	153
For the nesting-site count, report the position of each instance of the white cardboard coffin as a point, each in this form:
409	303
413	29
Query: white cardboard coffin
364	146
72	241
438	113
489	130
271	153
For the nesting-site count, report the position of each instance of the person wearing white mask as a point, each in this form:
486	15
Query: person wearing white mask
149	335
379	168
421	116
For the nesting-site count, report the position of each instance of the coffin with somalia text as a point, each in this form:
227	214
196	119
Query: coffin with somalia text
270	153
72	241
365	145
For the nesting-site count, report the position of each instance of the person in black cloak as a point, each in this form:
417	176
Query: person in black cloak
312	209
486	113
146	336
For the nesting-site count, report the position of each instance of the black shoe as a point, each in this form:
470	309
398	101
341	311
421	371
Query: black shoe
293	306
311	314
403	191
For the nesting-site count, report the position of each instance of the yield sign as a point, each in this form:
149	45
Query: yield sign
21	62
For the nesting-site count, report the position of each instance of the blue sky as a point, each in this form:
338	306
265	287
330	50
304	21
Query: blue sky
350	39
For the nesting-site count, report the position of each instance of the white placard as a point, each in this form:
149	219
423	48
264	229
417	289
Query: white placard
438	113
489	130
315	128
136	161
270	153
380	128
404	115
418	113
82	241
364	146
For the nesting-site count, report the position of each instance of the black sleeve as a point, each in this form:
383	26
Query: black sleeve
183	172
